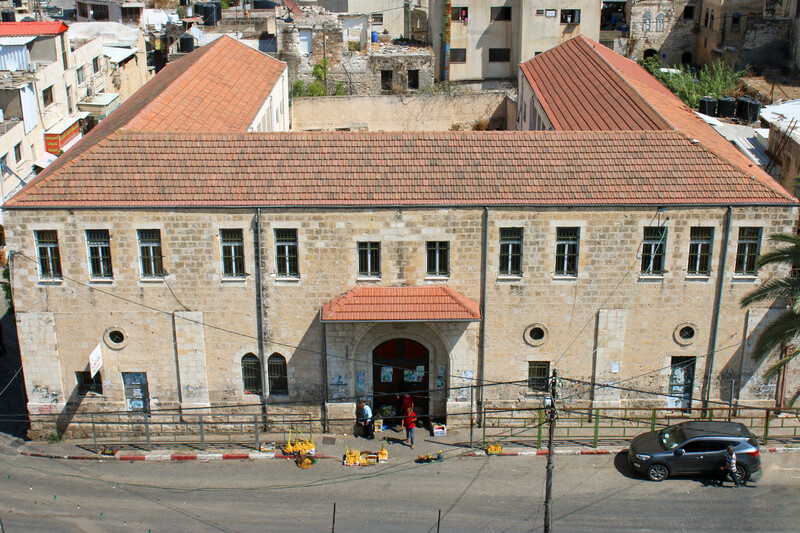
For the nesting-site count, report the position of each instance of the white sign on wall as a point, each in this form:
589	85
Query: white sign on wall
95	360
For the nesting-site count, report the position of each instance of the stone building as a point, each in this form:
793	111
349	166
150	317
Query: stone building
302	271
665	28
343	41
477	40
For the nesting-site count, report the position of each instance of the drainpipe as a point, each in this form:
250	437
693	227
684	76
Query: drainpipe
324	375
260	312
712	344
446	40
482	343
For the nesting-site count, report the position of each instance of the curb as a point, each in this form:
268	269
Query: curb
543	451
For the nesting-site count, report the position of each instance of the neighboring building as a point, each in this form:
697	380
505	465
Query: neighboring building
398	18
487	40
305	270
783	121
663	28
311	37
127	13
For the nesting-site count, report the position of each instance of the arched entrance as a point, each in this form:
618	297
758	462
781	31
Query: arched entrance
650	53
400	366
686	58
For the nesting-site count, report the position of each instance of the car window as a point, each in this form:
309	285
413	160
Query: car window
671	437
694	446
718	445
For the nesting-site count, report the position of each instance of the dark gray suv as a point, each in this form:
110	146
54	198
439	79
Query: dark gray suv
694	448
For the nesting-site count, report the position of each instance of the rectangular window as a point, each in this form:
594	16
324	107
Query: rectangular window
413	79
96	65
47	96
458	55
653	246
748	251
550	13
286	252
438	258
18	152
386	80
369	259
49	258
540	12
83	10
81	76
538	375
70	99
99	243
501	13
459	14
688	13
232	253
510	252
499	55
377	19
700	240
150	252
567	240
570	16
87	383
99	12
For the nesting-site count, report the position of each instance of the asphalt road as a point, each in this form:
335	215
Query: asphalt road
592	493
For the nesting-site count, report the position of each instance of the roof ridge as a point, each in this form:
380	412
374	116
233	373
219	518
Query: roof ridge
624	79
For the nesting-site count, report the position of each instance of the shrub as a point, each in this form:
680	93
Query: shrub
316	88
340	90
299	89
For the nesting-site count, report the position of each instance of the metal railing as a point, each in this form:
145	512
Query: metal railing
590	426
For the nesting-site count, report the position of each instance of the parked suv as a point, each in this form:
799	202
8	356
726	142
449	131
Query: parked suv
694	448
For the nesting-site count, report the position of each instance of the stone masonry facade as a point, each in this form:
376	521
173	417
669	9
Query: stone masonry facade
190	331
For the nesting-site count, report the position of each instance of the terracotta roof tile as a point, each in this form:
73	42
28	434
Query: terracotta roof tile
399	304
583	85
11	29
396	168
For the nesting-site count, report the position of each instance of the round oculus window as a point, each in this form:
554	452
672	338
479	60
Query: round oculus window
115	338
536	334
685	334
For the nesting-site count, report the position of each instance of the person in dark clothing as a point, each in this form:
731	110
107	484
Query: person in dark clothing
364	417
729	468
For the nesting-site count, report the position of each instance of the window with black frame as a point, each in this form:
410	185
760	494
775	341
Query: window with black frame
747	251
278	375
88	384
99	243
538	375
567	240
150	253
438	258
700	240
286	253
49	257
510	251
369	259
251	374
653	247
232	253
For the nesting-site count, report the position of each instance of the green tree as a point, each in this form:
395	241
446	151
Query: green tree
785	330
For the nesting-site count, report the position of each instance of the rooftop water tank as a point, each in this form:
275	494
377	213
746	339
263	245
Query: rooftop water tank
726	107
186	43
708	106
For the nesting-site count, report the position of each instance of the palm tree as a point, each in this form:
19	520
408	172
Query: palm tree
786	328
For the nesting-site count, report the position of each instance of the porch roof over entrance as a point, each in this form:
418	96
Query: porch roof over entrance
401	304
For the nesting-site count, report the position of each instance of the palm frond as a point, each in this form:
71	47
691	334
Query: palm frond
783	330
794	398
775	368
785	254
788	288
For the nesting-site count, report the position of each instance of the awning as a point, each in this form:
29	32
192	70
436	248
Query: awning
45	160
17	40
117	54
401	304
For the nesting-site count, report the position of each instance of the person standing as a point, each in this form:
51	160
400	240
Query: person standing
364	417
410	422
729	469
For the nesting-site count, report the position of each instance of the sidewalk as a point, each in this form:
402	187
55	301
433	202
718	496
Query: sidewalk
328	447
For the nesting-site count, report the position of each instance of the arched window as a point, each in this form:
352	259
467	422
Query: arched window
712	18
660	22
736	21
646	22
251	374
278	378
705	21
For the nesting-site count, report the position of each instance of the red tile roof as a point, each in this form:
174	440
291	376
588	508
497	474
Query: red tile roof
13	29
396	168
221	89
399	304
585	86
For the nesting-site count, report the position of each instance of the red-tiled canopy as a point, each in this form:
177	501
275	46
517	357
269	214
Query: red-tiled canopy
401	304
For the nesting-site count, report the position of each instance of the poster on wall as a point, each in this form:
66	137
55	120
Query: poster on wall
361	380
408	375
386	374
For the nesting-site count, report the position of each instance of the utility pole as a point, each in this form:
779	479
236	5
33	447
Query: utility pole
552	415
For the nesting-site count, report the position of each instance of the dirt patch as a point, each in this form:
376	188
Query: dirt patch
768	89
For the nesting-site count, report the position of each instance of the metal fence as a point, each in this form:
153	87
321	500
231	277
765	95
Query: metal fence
589	427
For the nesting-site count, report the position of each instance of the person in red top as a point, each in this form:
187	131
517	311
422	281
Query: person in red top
410	422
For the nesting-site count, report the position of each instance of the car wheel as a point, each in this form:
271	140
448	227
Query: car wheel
742	474
657	473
